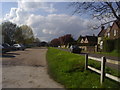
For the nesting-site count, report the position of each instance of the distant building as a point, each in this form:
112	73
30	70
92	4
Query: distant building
44	44
115	30
88	43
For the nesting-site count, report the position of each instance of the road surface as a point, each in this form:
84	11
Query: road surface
26	69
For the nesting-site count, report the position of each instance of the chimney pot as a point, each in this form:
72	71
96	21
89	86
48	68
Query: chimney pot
102	27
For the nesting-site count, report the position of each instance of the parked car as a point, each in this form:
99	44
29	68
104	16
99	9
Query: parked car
1	48
75	49
6	47
19	46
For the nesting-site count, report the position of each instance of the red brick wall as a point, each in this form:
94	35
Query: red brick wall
114	27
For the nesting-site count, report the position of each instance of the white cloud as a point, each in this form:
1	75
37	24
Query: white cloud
55	25
50	26
36	6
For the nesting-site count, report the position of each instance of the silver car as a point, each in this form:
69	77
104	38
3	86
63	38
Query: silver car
19	46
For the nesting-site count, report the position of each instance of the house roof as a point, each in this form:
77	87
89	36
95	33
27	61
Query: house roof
117	23
102	33
92	38
83	38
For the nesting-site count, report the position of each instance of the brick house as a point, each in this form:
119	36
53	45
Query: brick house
115	30
111	32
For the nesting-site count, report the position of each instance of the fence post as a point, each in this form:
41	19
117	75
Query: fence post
102	69
86	61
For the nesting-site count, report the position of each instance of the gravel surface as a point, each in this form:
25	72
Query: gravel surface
26	69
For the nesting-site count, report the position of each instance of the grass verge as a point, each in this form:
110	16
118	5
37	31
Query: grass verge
68	69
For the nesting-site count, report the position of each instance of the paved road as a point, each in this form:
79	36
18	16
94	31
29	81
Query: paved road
114	66
26	69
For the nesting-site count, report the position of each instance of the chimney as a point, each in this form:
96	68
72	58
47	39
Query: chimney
102	27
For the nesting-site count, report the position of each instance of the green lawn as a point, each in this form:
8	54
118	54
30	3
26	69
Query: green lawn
68	69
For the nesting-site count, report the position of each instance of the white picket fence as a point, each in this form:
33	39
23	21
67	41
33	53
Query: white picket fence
102	71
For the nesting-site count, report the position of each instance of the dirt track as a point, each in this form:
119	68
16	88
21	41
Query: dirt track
26	69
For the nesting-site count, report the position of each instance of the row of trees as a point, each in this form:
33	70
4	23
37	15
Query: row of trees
63	40
12	33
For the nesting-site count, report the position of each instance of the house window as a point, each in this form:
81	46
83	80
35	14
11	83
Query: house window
115	32
82	41
101	44
86	41
108	34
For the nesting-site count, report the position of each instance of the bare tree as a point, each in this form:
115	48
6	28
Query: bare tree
99	10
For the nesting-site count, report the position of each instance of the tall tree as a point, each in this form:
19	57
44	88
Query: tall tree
27	34
55	42
63	40
68	39
99	10
19	38
8	32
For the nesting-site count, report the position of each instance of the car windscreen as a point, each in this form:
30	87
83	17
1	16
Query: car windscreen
15	45
5	45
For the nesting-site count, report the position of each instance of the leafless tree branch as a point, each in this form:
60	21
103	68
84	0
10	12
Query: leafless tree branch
99	10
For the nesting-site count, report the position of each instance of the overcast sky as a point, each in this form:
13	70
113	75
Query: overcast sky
48	19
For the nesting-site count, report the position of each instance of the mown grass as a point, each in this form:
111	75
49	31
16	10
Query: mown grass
68	69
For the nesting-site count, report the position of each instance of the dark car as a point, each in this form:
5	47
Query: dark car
75	49
6	47
1	48
19	46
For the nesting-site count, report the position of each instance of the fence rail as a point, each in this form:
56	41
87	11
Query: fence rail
107	60
102	71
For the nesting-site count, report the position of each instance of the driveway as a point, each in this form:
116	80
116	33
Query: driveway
26	69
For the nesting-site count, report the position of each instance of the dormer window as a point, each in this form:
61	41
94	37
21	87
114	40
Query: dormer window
82	40
86	40
115	32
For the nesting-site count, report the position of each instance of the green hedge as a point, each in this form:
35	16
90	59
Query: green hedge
117	45
110	45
